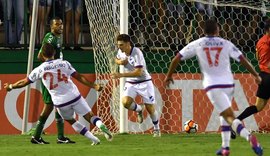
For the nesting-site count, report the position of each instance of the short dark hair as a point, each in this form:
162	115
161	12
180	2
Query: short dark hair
48	50
54	18
267	24
123	37
210	26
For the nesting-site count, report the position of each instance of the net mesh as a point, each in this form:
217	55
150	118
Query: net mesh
104	21
160	28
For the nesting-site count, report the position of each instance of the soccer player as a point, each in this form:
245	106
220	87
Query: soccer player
263	91
54	38
214	55
56	77
138	81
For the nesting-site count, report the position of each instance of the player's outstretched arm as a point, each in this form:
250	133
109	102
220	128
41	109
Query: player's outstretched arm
171	70
19	84
251	69
84	81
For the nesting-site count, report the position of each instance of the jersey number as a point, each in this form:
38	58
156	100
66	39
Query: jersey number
207	51
60	77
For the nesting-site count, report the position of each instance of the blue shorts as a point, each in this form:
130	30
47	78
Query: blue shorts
42	2
75	5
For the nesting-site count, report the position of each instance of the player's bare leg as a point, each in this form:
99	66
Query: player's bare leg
238	127
260	104
154	116
81	129
36	138
129	103
91	118
225	136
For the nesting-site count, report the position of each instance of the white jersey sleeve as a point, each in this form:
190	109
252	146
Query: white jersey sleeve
234	52
69	70
188	51
139	59
35	74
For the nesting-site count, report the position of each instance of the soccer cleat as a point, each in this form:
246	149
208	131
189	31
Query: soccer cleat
255	145
233	134
65	140
156	133
223	151
140	115
107	133
95	143
38	141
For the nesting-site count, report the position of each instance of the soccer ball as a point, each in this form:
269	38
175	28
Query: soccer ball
190	126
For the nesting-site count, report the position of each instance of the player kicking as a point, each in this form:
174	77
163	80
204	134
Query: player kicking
138	81
263	91
55	75
214	55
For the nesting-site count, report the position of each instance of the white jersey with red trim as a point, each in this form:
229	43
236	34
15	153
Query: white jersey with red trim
135	60
55	75
213	54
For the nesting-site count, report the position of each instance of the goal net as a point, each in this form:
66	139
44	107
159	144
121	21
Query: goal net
160	28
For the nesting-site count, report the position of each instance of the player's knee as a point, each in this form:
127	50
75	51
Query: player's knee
71	121
261	104
126	102
260	107
150	108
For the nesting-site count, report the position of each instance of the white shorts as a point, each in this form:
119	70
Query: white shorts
145	90
79	107
221	98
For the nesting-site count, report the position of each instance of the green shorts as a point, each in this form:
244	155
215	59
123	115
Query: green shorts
46	95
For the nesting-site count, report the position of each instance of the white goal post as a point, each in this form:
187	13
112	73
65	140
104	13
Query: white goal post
160	28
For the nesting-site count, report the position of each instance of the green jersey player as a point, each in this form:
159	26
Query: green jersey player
54	38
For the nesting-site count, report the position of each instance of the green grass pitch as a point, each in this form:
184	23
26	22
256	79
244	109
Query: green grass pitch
130	145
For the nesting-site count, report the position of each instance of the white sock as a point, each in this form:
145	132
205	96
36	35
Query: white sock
135	107
225	133
240	129
79	128
95	120
99	123
154	118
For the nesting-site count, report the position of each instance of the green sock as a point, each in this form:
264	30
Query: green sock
60	125
40	126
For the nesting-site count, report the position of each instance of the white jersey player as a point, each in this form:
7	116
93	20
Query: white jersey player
138	81
213	54
56	76
135	60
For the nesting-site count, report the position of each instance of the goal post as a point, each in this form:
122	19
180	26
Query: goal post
161	28
123	30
